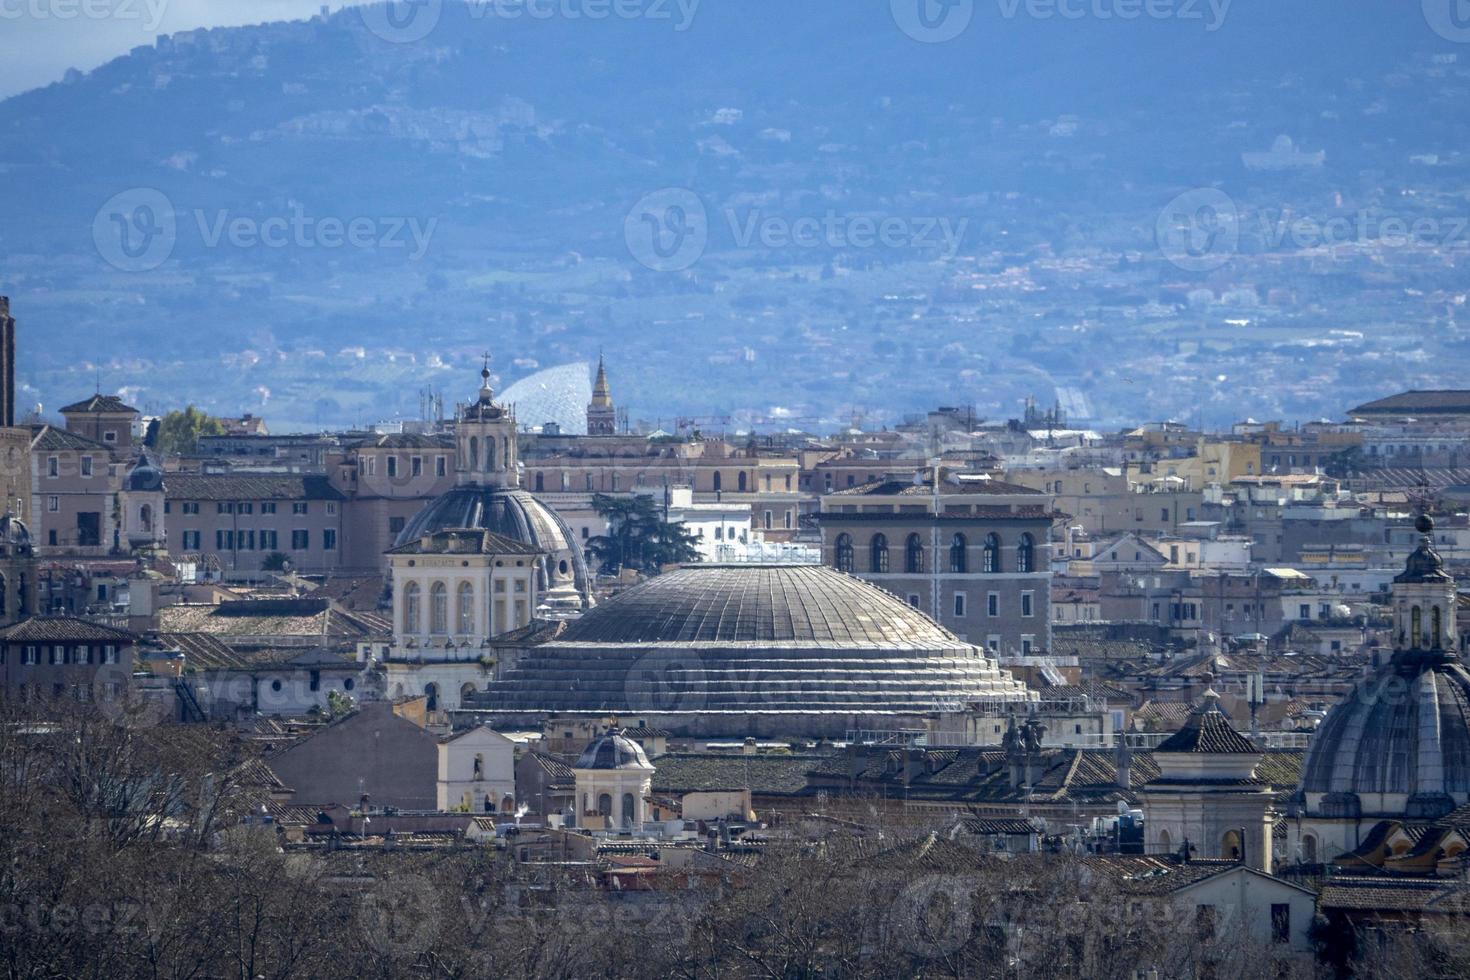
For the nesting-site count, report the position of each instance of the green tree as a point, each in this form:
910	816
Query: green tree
638	536
179	432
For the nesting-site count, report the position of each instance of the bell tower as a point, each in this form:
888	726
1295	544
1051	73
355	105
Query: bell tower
485	441
1424	601
602	416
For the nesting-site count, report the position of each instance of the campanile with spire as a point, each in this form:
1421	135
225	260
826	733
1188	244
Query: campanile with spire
601	414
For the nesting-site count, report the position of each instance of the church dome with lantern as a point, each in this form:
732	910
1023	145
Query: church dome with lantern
1398	746
488	496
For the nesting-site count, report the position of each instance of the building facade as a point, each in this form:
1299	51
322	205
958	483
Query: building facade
972	554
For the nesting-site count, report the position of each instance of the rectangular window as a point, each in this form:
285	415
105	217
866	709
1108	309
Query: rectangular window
1280	922
329	540
224	540
331	506
392	466
300	540
395	524
53	503
268	507
769	523
191	540
416	466
267	539
1028	643
224	507
992	643
192	507
992	604
53	466
441	466
1304	611
914	599
959	605
246	507
298	507
30	656
1028	604
370	466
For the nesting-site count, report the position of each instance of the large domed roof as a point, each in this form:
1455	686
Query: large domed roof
743	649
773	605
1404	731
511	512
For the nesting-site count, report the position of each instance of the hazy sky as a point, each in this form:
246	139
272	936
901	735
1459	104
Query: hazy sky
41	39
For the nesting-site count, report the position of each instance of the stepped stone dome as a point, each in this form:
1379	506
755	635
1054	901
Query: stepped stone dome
614	751
751	649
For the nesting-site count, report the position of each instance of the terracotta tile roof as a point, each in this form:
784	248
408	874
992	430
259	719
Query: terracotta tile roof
765	775
1207	730
64	628
99	403
249	486
202	651
1430	402
907	488
48	438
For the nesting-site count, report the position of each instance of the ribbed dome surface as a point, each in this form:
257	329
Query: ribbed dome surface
613	751
759	604
514	513
710	643
1404	730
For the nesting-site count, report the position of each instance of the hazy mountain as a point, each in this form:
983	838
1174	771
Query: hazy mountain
490	168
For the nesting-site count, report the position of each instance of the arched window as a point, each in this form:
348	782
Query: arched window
540	483
505	451
1309	849
1026	554
1166	844
1435	625
474	453
990	562
718	481
878	559
629	809
959	554
843	553
604	804
479	757
145	518
465	608
1230	846
1416	627
439	608
913	555
467	691
431	692
411	618
489	453
740	481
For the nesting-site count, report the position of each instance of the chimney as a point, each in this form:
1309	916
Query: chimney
1123	761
